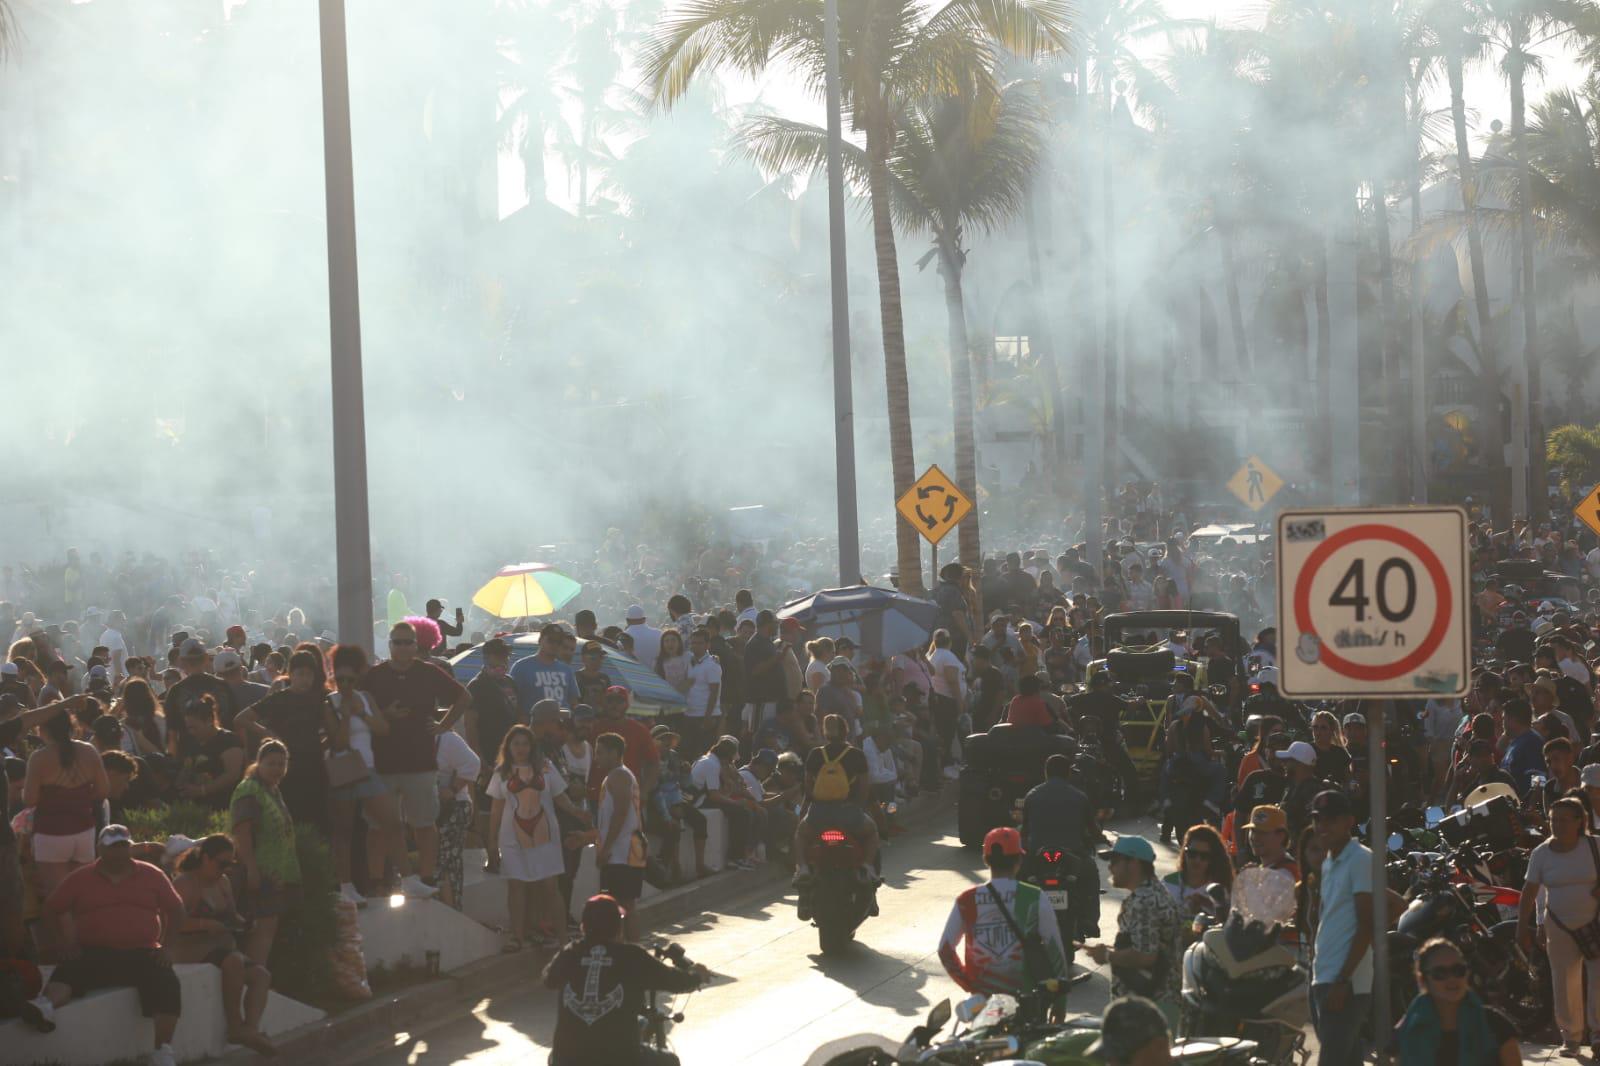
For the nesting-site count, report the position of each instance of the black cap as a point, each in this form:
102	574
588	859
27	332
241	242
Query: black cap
1128	1024
1331	804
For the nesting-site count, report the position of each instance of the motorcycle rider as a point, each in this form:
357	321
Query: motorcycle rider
1002	923
1266	702
837	796
1264	787
1192	731
602	982
1101	704
1056	816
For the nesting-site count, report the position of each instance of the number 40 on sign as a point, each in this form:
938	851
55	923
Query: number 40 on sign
1373	602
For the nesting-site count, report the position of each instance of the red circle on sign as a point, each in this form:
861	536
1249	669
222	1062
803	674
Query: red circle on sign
1441	617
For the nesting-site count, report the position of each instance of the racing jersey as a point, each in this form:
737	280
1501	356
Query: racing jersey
992	959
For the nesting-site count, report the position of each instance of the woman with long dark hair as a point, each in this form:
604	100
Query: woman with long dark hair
525	838
64	785
144	724
672	662
1203	862
207	935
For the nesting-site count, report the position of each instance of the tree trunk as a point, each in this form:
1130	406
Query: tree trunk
1042	338
1108	311
1538	494
961	403
1230	280
908	542
1323	432
1421	461
1399	440
1489	418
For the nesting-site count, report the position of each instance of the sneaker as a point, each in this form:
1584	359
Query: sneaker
414	888
162	1056
953	772
349	894
40	1013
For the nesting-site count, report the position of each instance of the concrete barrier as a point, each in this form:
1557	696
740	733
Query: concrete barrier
106	1026
398	932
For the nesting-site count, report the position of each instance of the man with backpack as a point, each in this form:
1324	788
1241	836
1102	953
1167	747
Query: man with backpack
837	795
1012	941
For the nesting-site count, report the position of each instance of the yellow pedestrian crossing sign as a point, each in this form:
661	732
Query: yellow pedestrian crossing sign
934	505
1255	483
1588	511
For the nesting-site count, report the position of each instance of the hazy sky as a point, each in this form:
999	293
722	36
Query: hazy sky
1485	93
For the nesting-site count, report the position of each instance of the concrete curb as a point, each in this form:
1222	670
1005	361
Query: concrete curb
414	1010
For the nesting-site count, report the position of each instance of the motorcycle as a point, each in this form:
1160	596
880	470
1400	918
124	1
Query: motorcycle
1071	887
1445	903
1003	1029
656	1019
1240	982
843	892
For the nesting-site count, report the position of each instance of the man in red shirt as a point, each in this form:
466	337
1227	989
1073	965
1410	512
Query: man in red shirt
641	756
111	918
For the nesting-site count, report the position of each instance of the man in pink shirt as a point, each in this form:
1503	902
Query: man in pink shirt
111	918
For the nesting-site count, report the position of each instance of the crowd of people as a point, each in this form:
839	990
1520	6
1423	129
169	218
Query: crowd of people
201	699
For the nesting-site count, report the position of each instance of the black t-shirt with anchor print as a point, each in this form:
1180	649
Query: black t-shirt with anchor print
601	988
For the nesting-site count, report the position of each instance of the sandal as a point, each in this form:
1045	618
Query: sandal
511	946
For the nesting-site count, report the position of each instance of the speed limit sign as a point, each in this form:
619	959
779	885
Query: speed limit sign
1373	602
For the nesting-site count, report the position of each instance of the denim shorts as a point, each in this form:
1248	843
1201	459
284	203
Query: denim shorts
367	788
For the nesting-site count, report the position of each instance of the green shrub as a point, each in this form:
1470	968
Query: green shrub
299	961
193	820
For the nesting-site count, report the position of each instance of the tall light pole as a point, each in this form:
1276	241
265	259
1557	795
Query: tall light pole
351	533
844	418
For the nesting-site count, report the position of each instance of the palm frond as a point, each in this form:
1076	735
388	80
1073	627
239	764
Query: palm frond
741	35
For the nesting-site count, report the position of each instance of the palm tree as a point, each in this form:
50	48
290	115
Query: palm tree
8	28
1517	28
891	53
1457	30
960	163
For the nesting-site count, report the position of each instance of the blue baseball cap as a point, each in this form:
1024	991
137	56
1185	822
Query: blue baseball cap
1131	847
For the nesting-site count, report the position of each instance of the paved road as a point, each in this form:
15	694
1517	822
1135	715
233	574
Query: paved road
776	1000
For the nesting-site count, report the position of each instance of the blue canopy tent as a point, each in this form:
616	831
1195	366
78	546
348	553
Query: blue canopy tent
882	623
652	696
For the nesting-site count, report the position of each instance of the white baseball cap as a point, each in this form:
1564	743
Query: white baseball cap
635	614
227	660
1300	752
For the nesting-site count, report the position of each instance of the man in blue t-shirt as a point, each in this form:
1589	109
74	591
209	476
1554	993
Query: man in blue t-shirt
1524	746
543	676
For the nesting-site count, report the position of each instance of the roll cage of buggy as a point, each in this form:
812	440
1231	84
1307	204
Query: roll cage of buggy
1142	669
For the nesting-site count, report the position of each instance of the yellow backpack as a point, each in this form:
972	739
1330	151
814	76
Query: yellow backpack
832	784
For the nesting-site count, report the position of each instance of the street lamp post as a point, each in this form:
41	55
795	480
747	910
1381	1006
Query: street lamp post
844	433
352	538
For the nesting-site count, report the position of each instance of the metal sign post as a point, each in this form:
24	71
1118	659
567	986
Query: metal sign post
1374	604
1378	834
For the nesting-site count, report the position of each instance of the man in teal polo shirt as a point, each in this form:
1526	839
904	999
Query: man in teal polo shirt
1341	976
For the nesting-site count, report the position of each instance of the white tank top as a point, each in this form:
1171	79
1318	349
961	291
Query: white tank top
360	731
619	847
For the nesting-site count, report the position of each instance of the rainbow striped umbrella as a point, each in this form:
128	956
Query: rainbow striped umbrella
525	590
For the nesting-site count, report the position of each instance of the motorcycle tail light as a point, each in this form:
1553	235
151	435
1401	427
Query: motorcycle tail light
1051	882
833	837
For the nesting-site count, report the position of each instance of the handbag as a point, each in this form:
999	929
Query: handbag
1035	957
345	768
1586	936
1139	982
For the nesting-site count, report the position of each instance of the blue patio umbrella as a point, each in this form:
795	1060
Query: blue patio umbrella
652	696
882	623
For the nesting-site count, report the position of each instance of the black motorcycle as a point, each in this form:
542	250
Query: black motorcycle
843	893
1505	977
1071	887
